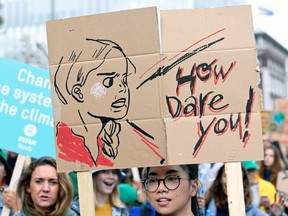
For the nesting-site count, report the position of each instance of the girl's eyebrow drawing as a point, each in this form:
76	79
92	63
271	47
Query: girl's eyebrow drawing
106	74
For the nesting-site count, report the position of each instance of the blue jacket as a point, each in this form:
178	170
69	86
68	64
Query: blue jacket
147	208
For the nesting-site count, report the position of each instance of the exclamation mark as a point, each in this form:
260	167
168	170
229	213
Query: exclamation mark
249	106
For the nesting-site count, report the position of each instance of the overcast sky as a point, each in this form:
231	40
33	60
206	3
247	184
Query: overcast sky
275	25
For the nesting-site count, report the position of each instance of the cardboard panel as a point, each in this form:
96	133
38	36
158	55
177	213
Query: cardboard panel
196	83
181	28
214	139
135	30
120	102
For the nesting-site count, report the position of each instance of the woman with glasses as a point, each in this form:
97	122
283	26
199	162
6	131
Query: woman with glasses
171	190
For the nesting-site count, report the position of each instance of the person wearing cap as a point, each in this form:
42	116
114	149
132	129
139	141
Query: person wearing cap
7	198
263	191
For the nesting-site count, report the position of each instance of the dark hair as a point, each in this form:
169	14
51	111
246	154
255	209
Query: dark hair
65	195
217	193
276	144
192	171
275	168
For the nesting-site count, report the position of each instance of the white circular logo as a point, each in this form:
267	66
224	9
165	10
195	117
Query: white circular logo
30	130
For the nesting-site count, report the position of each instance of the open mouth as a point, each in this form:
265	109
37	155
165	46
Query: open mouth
163	201
119	103
108	183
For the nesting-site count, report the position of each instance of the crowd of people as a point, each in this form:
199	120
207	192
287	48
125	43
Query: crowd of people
183	190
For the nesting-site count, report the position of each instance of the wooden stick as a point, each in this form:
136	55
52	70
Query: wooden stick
86	195
135	173
235	188
14	179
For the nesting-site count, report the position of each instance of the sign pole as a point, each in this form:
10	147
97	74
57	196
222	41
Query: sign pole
86	195
14	180
235	188
135	173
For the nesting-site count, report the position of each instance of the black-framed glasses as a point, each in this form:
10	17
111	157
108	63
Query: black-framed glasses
171	182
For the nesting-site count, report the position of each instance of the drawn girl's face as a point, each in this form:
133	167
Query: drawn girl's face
106	90
171	202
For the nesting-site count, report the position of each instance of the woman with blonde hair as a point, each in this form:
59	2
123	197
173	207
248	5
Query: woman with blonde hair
43	191
106	194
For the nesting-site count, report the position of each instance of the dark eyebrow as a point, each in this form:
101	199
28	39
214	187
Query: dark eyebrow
172	171
168	172
106	74
38	178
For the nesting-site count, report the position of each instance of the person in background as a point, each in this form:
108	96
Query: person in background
131	193
7	198
216	196
172	190
43	191
106	194
217	201
271	165
262	190
282	153
128	195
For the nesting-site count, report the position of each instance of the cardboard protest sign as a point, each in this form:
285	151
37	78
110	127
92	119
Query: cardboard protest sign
282	182
25	110
272	121
281	105
118	101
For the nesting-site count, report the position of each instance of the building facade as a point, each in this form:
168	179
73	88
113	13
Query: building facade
272	58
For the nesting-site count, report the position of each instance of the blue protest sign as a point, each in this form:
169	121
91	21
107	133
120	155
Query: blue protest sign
26	122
